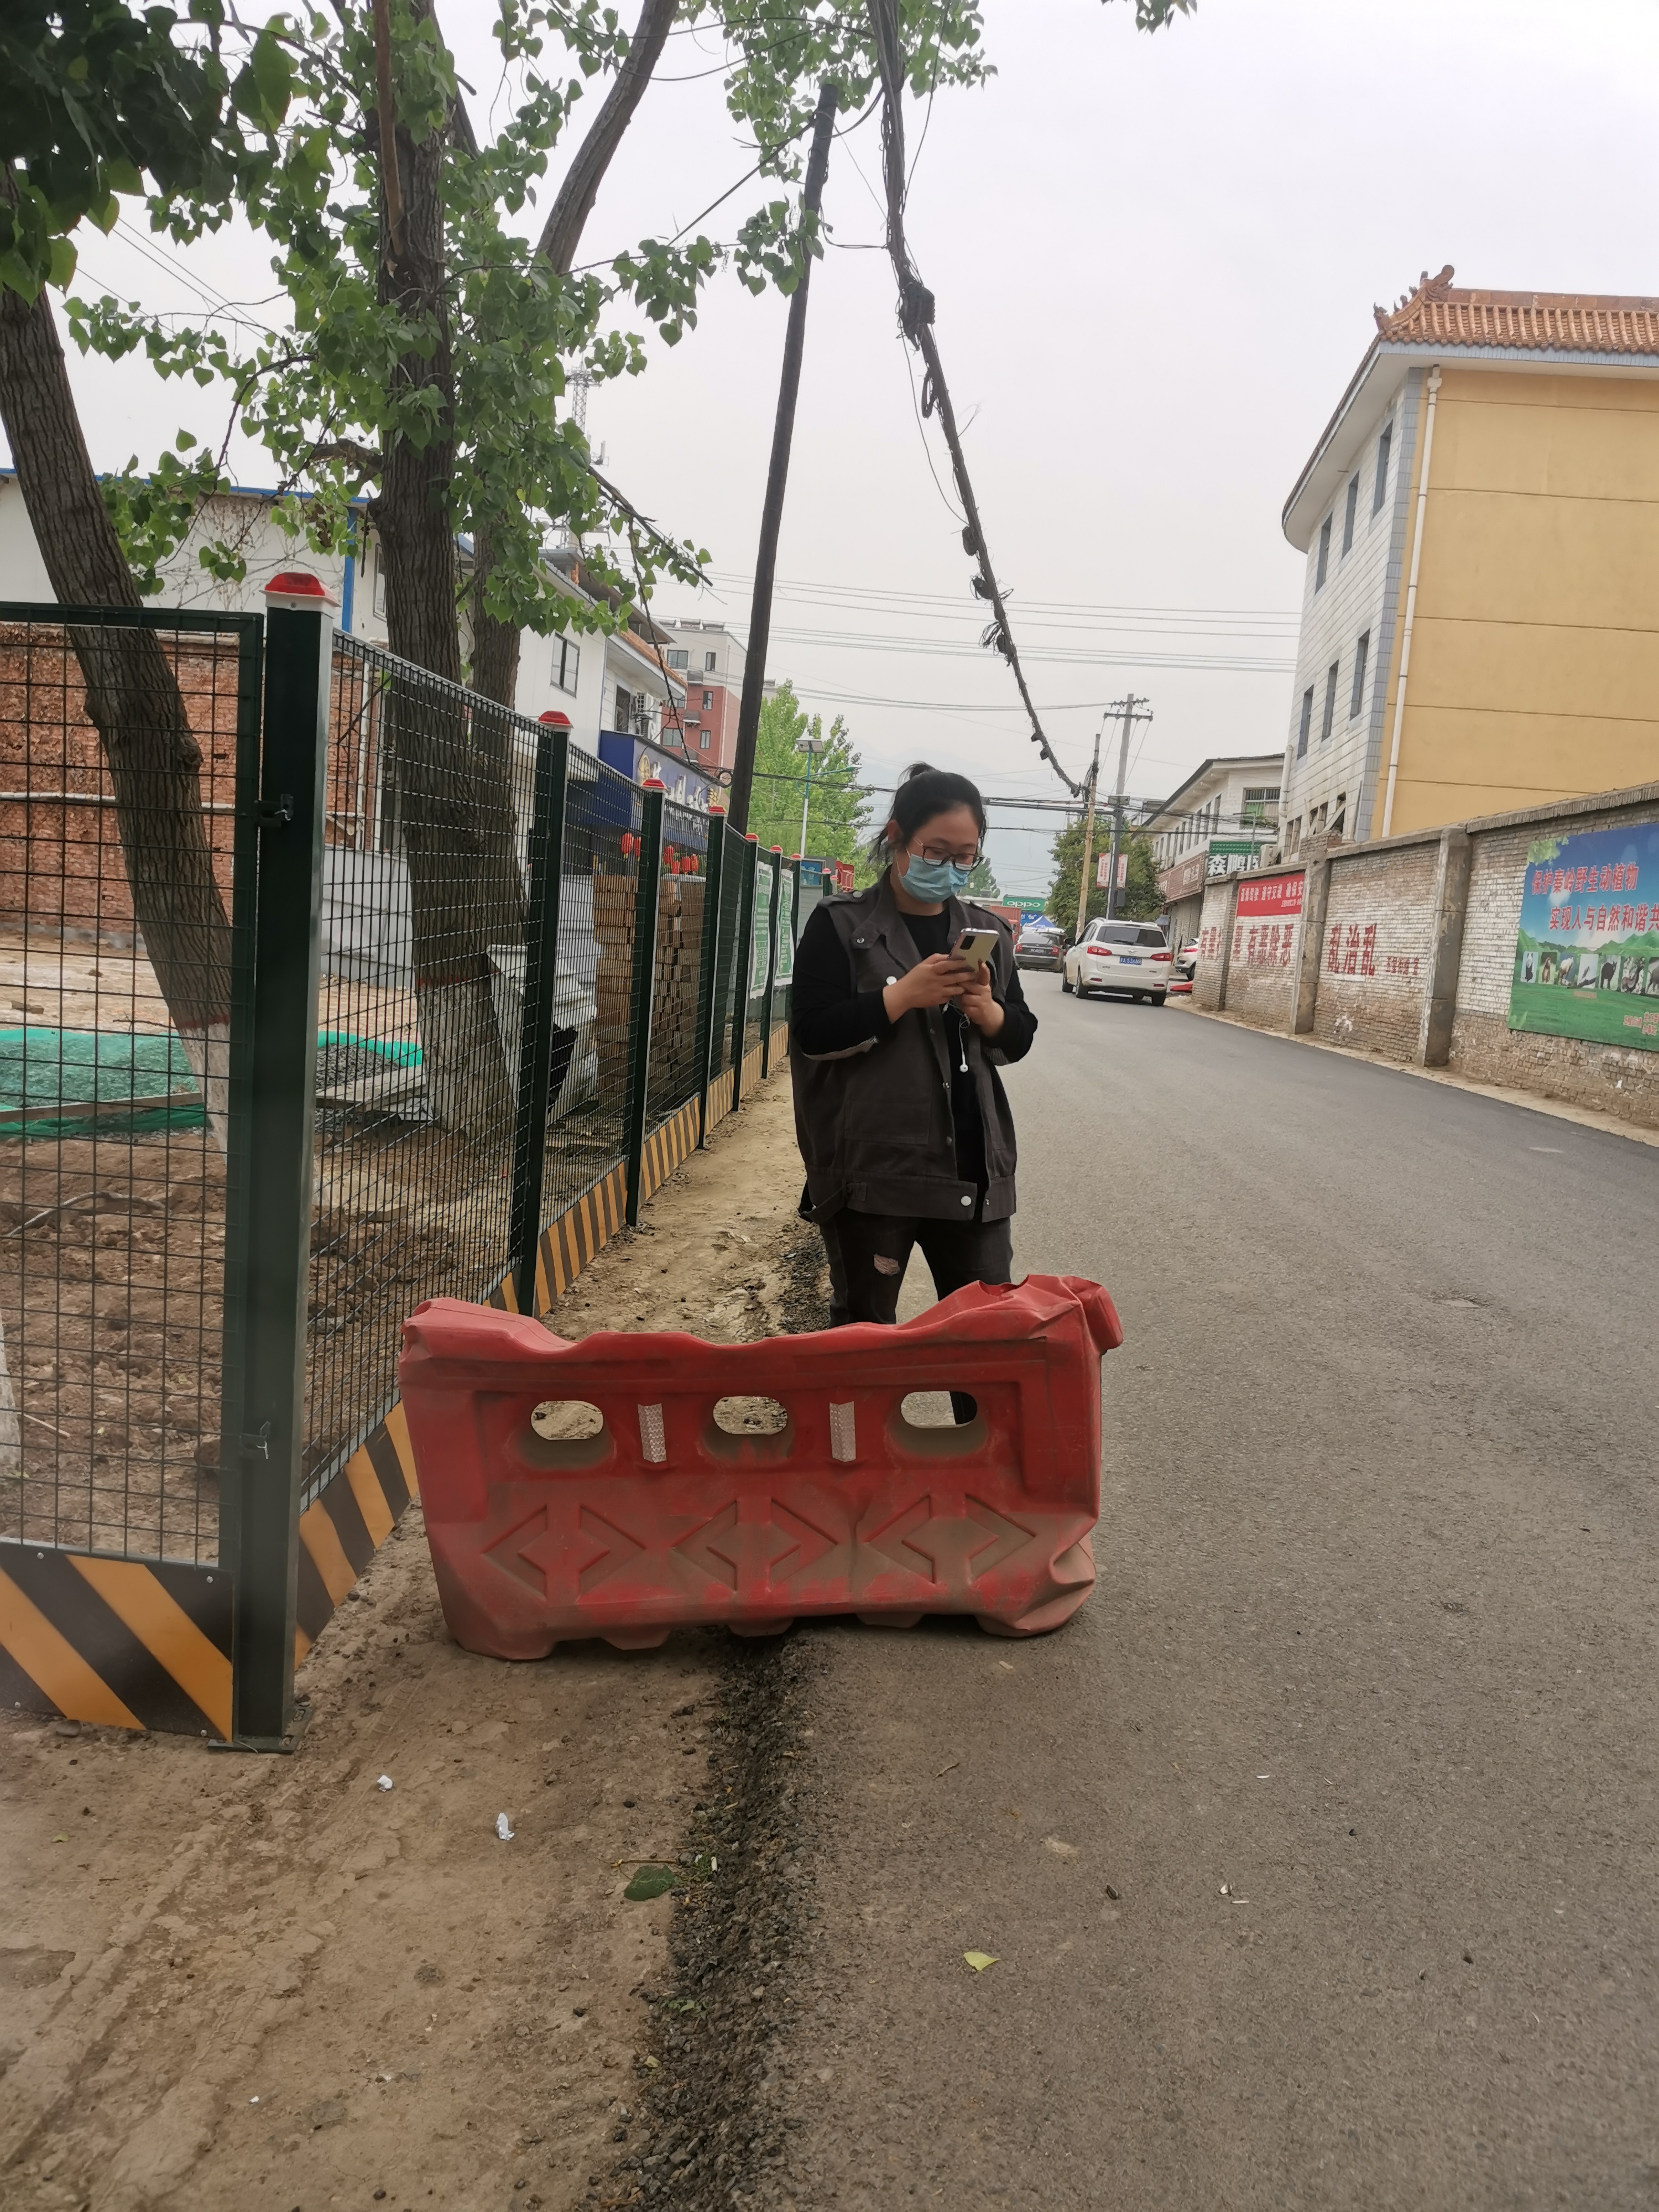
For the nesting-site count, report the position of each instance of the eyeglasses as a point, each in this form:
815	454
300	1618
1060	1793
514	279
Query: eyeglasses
939	855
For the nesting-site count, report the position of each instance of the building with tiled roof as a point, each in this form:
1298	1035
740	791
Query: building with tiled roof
1480	520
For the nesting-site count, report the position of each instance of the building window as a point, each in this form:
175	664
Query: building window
1261	802
1362	653
702	741
1382	491
1350	511
708	701
709	664
567	659
1338	820
679	658
1329	715
1307	723
1324	554
1293	838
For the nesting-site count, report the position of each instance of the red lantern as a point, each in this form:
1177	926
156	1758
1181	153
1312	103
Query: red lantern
629	842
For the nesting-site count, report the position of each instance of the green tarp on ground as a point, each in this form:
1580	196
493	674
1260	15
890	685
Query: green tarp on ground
121	1083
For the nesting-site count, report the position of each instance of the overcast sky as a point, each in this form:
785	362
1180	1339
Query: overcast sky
1154	261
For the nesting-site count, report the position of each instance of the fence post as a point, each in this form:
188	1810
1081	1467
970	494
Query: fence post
647	886
262	1491
771	960
708	966
541	977
743	964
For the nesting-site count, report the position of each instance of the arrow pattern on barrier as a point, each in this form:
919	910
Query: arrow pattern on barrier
949	1548
731	1550
617	1549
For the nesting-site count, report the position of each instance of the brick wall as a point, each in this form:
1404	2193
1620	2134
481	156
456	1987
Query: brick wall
62	875
1213	920
1261	975
1608	1078
1377	952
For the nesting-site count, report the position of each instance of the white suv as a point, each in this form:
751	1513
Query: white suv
1120	955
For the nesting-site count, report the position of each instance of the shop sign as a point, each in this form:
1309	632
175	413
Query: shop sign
1183	878
1587	950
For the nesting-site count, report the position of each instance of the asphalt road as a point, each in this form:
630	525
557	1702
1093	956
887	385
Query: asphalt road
1360	1724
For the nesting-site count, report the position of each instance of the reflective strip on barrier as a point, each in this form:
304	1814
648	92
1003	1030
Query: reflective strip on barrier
666	1517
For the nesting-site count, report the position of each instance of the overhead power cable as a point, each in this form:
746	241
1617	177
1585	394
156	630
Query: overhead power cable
916	321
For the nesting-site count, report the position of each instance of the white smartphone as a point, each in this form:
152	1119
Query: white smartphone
975	946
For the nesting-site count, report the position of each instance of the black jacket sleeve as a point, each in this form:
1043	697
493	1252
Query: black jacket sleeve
827	1015
1019	1024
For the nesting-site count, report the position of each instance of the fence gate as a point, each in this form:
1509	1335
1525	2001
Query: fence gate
333	995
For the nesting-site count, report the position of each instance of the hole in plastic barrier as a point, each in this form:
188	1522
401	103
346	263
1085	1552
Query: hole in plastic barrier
750	1417
567	1417
564	1432
926	1423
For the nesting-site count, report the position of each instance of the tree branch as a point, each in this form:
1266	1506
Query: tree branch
562	234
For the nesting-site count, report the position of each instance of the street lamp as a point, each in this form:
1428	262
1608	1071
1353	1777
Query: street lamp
809	745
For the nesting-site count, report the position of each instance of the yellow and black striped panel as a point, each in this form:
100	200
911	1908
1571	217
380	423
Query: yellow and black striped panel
347	1522
717	1100
136	1644
666	1147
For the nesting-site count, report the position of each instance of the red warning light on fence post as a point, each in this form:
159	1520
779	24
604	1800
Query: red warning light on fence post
298	587
657	1516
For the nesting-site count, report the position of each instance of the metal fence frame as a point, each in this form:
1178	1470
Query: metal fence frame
293	1537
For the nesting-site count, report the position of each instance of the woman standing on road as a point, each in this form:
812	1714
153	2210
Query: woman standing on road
895	1044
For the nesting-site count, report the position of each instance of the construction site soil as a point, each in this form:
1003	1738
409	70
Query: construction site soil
326	1979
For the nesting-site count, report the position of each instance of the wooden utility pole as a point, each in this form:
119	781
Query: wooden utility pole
783	431
1088	841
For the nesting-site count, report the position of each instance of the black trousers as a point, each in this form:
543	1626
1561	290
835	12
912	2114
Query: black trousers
868	1253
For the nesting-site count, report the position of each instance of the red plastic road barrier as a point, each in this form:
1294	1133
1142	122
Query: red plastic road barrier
663	1517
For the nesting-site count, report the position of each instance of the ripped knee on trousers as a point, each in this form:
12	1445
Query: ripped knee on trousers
884	1265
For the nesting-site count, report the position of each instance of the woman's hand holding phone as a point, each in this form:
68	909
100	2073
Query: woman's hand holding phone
978	1002
937	981
944	981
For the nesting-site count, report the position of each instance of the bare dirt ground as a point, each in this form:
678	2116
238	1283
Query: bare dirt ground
272	1983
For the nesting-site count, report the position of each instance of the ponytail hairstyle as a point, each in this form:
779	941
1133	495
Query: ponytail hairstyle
923	792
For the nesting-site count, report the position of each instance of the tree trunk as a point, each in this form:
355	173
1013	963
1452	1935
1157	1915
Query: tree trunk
133	697
453	787
495	644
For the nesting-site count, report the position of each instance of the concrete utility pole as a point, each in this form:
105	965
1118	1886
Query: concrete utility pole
783	432
1130	717
1088	836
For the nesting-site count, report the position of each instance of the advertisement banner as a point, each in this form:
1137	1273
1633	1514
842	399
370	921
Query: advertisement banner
1270	896
1587	952
786	967
760	942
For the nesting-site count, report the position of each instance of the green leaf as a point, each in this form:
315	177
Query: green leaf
650	1881
63	258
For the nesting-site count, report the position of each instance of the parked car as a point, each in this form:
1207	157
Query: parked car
1040	944
1129	957
1186	960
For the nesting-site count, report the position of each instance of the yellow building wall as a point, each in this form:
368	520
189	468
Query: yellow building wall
1534	659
